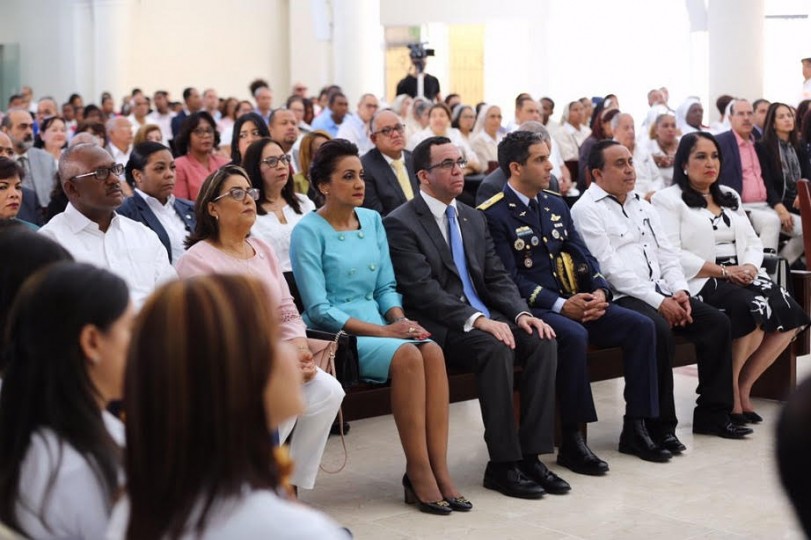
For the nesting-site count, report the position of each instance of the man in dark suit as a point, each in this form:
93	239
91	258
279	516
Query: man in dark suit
533	234
454	284
388	169
193	103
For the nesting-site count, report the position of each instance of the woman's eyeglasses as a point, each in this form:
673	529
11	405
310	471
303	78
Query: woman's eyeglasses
273	161
238	194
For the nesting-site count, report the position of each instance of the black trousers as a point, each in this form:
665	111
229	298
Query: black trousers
710	333
619	327
493	363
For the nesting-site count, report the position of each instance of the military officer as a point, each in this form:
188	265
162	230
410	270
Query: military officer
534	235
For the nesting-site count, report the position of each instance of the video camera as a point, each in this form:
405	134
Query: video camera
418	53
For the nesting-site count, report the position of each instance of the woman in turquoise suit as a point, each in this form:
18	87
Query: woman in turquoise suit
340	259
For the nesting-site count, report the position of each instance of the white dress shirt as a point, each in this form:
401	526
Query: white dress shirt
118	156
172	223
630	245
128	249
648	177
164	121
77	505
255	515
354	130
269	229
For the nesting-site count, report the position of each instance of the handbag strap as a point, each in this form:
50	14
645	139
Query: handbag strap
333	347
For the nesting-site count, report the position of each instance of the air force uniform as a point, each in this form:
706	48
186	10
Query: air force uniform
548	260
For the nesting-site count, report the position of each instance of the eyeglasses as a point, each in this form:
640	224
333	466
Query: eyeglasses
251	133
389	130
202	132
238	194
274	161
102	173
7	151
448	164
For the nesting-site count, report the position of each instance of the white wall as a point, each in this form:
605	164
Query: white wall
562	48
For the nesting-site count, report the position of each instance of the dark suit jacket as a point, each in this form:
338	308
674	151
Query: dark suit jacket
520	236
494	183
427	276
29	209
731	169
177	121
136	208
383	191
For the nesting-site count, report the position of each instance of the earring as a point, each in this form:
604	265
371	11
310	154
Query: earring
685	172
325	193
217	217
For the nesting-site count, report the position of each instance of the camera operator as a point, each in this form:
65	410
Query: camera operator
417	82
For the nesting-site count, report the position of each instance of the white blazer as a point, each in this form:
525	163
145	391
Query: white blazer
691	232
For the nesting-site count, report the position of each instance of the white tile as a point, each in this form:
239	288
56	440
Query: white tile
718	489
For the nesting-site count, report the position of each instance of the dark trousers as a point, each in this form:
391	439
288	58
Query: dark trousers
493	363
710	333
619	327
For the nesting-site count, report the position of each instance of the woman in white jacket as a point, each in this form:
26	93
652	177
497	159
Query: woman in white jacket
721	256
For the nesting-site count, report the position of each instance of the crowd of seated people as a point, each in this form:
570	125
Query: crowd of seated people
193	225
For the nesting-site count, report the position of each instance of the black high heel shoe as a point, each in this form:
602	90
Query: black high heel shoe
438	508
752	417
459	504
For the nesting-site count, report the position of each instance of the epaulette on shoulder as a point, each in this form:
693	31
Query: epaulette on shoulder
552	192
491	201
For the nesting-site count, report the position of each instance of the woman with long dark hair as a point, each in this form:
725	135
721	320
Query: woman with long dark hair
721	256
207	381
248	128
279	207
60	451
783	162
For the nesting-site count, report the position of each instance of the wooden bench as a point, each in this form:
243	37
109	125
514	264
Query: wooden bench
369	400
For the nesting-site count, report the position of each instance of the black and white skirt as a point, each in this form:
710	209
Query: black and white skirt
761	304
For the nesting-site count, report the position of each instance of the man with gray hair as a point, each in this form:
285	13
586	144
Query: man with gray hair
92	232
119	132
494	182
38	166
648	178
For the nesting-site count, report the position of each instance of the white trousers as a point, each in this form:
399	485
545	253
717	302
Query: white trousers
323	396
767	224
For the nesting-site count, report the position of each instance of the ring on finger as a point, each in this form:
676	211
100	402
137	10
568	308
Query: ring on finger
411	329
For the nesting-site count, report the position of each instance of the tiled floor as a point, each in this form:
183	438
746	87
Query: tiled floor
717	489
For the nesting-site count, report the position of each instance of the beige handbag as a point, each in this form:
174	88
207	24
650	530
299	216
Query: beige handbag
324	357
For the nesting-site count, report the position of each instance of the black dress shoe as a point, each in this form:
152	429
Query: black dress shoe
636	441
459	504
738	419
438	508
753	417
574	454
726	431
671	443
508	480
542	476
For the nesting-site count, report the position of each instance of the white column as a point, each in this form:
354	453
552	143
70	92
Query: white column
111	46
735	48
357	48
